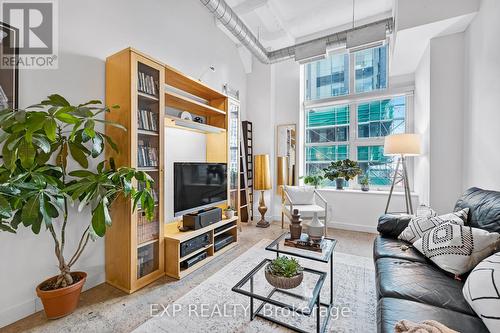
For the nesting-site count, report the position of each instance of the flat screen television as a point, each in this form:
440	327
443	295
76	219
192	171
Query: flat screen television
198	186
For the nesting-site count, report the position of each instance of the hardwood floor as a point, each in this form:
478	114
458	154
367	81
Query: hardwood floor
107	309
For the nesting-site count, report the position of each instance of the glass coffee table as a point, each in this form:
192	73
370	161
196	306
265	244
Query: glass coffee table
302	299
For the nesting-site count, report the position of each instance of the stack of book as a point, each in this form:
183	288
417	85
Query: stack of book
147	230
146	83
147	156
147	120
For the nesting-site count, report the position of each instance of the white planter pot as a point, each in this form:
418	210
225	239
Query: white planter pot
229	214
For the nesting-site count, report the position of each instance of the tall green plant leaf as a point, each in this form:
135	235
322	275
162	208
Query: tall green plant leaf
78	155
30	211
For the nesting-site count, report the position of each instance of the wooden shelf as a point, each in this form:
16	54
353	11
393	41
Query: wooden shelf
226	248
180	102
172	121
146	132
171	231
147	243
181	81
225	230
147	96
147	169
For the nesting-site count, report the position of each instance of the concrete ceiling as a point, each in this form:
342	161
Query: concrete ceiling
282	23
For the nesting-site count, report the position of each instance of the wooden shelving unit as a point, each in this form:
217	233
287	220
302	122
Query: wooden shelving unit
138	252
174	238
134	246
247	149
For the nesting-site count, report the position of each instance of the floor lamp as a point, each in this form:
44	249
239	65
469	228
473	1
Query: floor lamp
262	182
401	145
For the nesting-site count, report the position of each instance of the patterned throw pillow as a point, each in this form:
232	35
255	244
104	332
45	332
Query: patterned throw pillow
482	291
455	248
420	224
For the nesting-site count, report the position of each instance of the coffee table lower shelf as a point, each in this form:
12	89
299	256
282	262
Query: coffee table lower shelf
314	302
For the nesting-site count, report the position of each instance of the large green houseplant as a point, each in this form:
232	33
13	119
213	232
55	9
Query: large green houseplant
339	171
38	189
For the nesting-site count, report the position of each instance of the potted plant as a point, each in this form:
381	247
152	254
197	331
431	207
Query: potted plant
228	212
314	180
37	188
339	171
365	183
284	273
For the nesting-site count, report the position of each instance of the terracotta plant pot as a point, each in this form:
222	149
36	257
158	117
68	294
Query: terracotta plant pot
282	282
61	302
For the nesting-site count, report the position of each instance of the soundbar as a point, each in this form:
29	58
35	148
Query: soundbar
201	219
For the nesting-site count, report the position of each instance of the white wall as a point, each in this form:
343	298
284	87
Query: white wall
261	112
482	86
182	146
446	122
180	33
439	119
422	106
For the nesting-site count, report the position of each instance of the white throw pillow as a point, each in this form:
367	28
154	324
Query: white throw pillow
301	195
420	224
455	248
482	291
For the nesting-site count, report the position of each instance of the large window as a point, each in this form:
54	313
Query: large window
371	69
328	77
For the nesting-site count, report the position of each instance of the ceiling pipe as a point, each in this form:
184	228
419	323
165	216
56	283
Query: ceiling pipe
221	10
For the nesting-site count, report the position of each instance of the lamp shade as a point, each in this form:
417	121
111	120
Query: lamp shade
262	173
402	144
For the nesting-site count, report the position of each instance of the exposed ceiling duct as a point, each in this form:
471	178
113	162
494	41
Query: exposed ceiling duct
221	10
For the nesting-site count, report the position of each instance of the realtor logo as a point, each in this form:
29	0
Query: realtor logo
36	22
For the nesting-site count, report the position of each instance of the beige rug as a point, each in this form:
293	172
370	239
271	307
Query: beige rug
213	307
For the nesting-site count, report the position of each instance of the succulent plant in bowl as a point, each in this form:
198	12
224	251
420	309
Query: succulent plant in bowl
284	273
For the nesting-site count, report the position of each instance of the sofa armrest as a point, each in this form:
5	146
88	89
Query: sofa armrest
391	225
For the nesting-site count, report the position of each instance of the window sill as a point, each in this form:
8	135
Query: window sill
357	191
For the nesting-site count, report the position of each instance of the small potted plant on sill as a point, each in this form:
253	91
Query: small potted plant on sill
365	183
38	189
340	171
284	273
314	180
228	212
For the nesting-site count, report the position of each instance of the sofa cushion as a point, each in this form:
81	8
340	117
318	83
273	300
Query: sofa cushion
484	208
457	249
391	225
301	195
419	282
392	310
482	292
385	247
420	224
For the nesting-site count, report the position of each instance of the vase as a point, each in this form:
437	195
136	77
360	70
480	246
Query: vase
315	229
229	214
340	183
295	227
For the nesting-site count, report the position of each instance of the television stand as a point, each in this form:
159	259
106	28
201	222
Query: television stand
174	237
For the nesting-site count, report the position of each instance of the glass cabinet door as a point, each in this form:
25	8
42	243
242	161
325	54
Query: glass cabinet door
234	152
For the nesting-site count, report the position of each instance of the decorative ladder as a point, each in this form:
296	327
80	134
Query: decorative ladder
247	162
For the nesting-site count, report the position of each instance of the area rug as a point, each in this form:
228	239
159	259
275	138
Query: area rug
213	307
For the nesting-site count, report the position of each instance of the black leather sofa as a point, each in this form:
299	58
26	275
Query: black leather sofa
411	287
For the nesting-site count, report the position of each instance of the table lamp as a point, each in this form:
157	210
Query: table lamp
262	183
401	145
282	174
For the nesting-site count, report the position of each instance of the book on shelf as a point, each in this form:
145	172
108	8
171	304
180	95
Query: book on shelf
147	156
146	83
147	120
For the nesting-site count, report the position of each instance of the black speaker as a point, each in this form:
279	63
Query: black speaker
201	219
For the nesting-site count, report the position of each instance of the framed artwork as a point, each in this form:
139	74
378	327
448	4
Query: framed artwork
9	71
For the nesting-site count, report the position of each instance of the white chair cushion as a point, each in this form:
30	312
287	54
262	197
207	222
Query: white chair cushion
307	210
301	195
